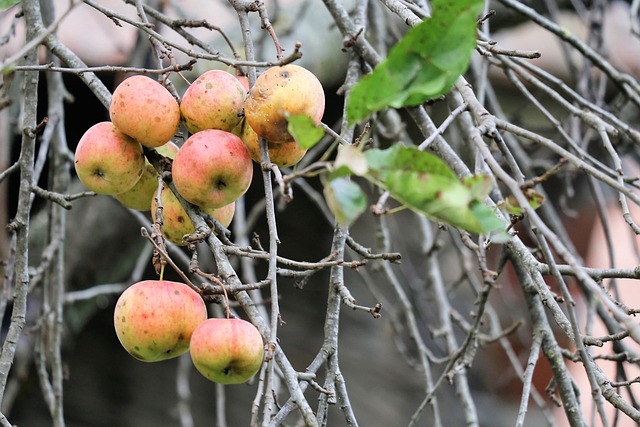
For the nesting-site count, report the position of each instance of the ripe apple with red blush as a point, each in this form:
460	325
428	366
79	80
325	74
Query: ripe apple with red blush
145	110
155	319
245	82
227	351
108	161
214	100
212	169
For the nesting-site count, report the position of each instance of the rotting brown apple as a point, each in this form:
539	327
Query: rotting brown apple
279	92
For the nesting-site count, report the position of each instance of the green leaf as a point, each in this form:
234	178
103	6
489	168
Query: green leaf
339	172
6	4
425	184
490	222
424	64
436	198
479	185
409	158
345	199
304	130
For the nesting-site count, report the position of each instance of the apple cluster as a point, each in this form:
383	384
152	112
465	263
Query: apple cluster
159	319
214	166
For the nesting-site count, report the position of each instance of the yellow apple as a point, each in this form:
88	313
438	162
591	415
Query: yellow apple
283	154
139	197
279	92
176	222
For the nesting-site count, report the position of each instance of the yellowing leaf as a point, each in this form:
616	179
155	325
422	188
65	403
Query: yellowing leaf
353	158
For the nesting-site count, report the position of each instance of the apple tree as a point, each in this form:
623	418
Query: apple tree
431	212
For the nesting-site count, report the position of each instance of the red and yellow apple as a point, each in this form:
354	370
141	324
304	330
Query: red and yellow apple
279	92
175	220
227	351
245	82
145	110
212	169
139	197
155	319
108	161
213	101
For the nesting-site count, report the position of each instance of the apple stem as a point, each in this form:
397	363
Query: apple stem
226	300
162	270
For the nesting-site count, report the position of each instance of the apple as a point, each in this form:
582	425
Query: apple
279	92
176	222
283	154
145	110
213	101
139	197
155	319
108	161
245	82
212	169
227	351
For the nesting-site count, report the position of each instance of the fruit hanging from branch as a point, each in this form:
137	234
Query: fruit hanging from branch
145	110
154	319
212	169
227	351
213	101
278	93
108	161
282	154
175	220
139	197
